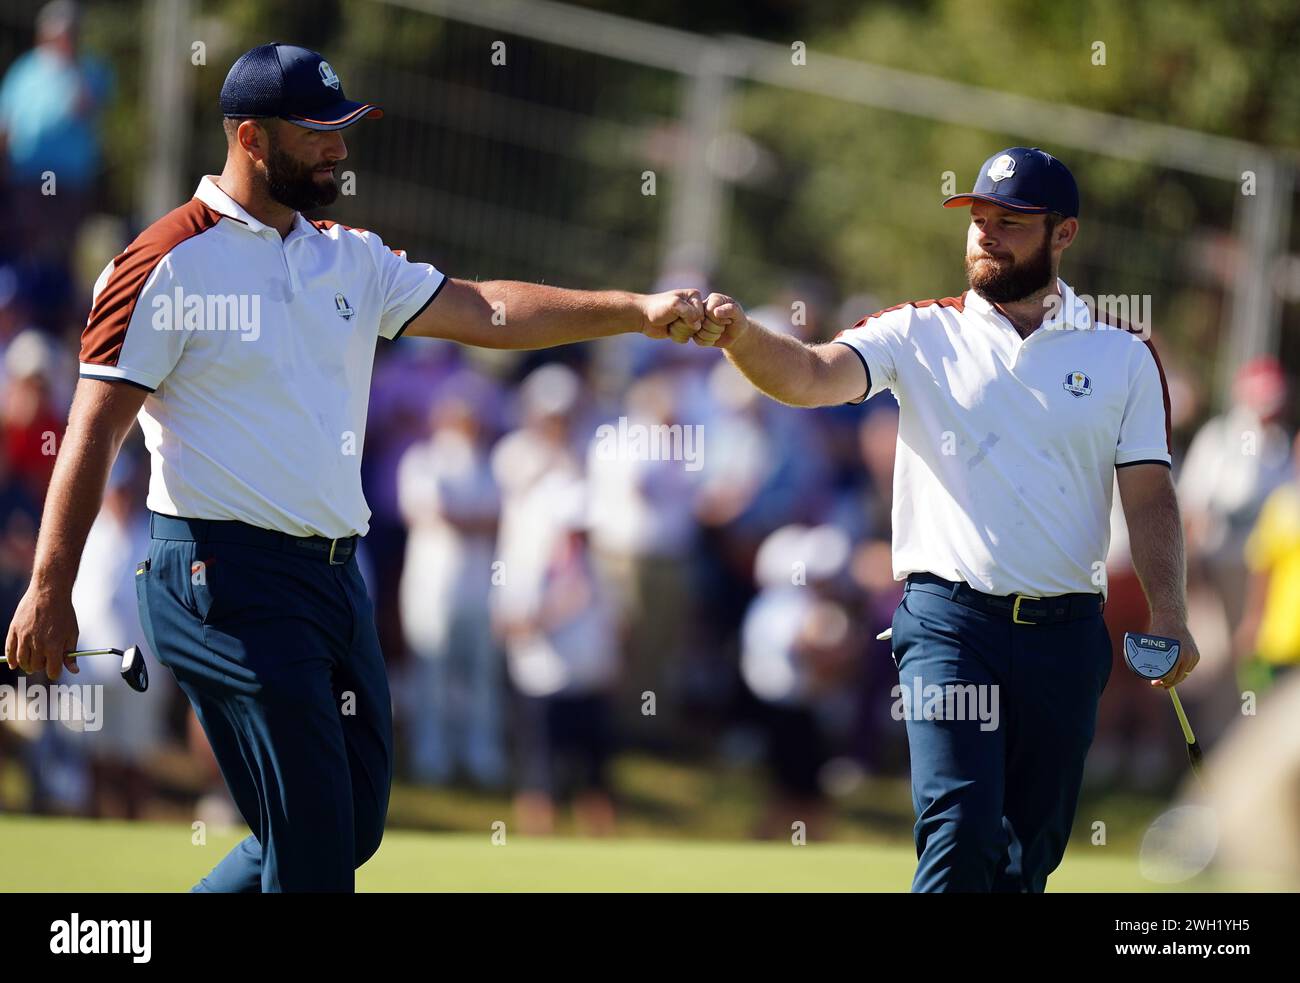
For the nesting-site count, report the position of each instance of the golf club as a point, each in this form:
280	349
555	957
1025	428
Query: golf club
1154	657
134	670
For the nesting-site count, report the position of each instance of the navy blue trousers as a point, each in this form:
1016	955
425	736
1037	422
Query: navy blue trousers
278	654
994	792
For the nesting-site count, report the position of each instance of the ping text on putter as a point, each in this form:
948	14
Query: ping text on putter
1150	656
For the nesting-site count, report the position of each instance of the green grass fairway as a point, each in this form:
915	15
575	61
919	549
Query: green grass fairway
75	855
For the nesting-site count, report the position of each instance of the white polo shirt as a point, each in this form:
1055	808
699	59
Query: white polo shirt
257	353
1007	448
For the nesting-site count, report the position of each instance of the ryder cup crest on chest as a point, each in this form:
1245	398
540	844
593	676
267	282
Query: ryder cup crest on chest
1077	384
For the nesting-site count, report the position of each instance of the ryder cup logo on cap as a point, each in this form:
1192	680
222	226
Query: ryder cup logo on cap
1002	168
327	75
291	83
1024	179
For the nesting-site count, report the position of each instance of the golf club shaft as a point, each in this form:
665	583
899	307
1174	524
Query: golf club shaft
1193	749
1182	717
77	653
133	668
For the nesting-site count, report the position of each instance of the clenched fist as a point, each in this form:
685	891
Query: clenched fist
724	323
675	314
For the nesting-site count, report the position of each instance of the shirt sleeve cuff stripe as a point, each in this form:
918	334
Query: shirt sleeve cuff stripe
115	378
865	368
436	290
1126	464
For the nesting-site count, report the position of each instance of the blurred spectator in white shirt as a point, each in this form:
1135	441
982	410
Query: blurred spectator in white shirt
451	504
528	464
562	644
1234	461
797	654
644	468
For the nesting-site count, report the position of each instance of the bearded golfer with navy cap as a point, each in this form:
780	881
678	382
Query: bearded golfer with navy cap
1019	406
242	335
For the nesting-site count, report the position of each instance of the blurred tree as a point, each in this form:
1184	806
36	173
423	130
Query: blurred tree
770	19
846	194
857	190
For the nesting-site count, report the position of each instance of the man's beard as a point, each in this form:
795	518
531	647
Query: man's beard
293	183
1001	284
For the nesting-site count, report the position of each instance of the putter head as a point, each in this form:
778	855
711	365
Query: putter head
1150	656
134	670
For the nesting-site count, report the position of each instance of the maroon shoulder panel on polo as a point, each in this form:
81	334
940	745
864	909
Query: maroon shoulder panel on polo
956	303
110	315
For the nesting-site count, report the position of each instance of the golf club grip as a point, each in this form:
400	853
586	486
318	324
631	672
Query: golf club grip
1194	756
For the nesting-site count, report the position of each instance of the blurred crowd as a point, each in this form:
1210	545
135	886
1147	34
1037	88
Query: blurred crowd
577	553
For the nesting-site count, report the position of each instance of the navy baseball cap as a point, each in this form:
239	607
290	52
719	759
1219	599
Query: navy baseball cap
1024	179
293	83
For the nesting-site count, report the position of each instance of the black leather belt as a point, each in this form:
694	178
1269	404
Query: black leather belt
1023	609
335	551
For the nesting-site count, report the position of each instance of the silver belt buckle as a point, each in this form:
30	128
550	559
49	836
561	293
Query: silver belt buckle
334	543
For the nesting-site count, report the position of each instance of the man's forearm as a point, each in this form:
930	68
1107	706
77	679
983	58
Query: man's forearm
532	315
778	364
1156	545
74	498
509	314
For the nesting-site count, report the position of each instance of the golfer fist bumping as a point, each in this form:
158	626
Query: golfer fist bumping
779	364
675	314
725	323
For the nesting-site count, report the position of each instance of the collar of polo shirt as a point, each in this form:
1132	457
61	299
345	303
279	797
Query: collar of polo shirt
1073	313
210	193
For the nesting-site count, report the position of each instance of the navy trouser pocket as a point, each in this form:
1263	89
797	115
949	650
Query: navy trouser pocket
232	583
215	588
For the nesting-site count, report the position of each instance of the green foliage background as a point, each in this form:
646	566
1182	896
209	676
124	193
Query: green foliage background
850	201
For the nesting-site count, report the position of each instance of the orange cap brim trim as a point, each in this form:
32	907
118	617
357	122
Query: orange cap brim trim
365	112
959	201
